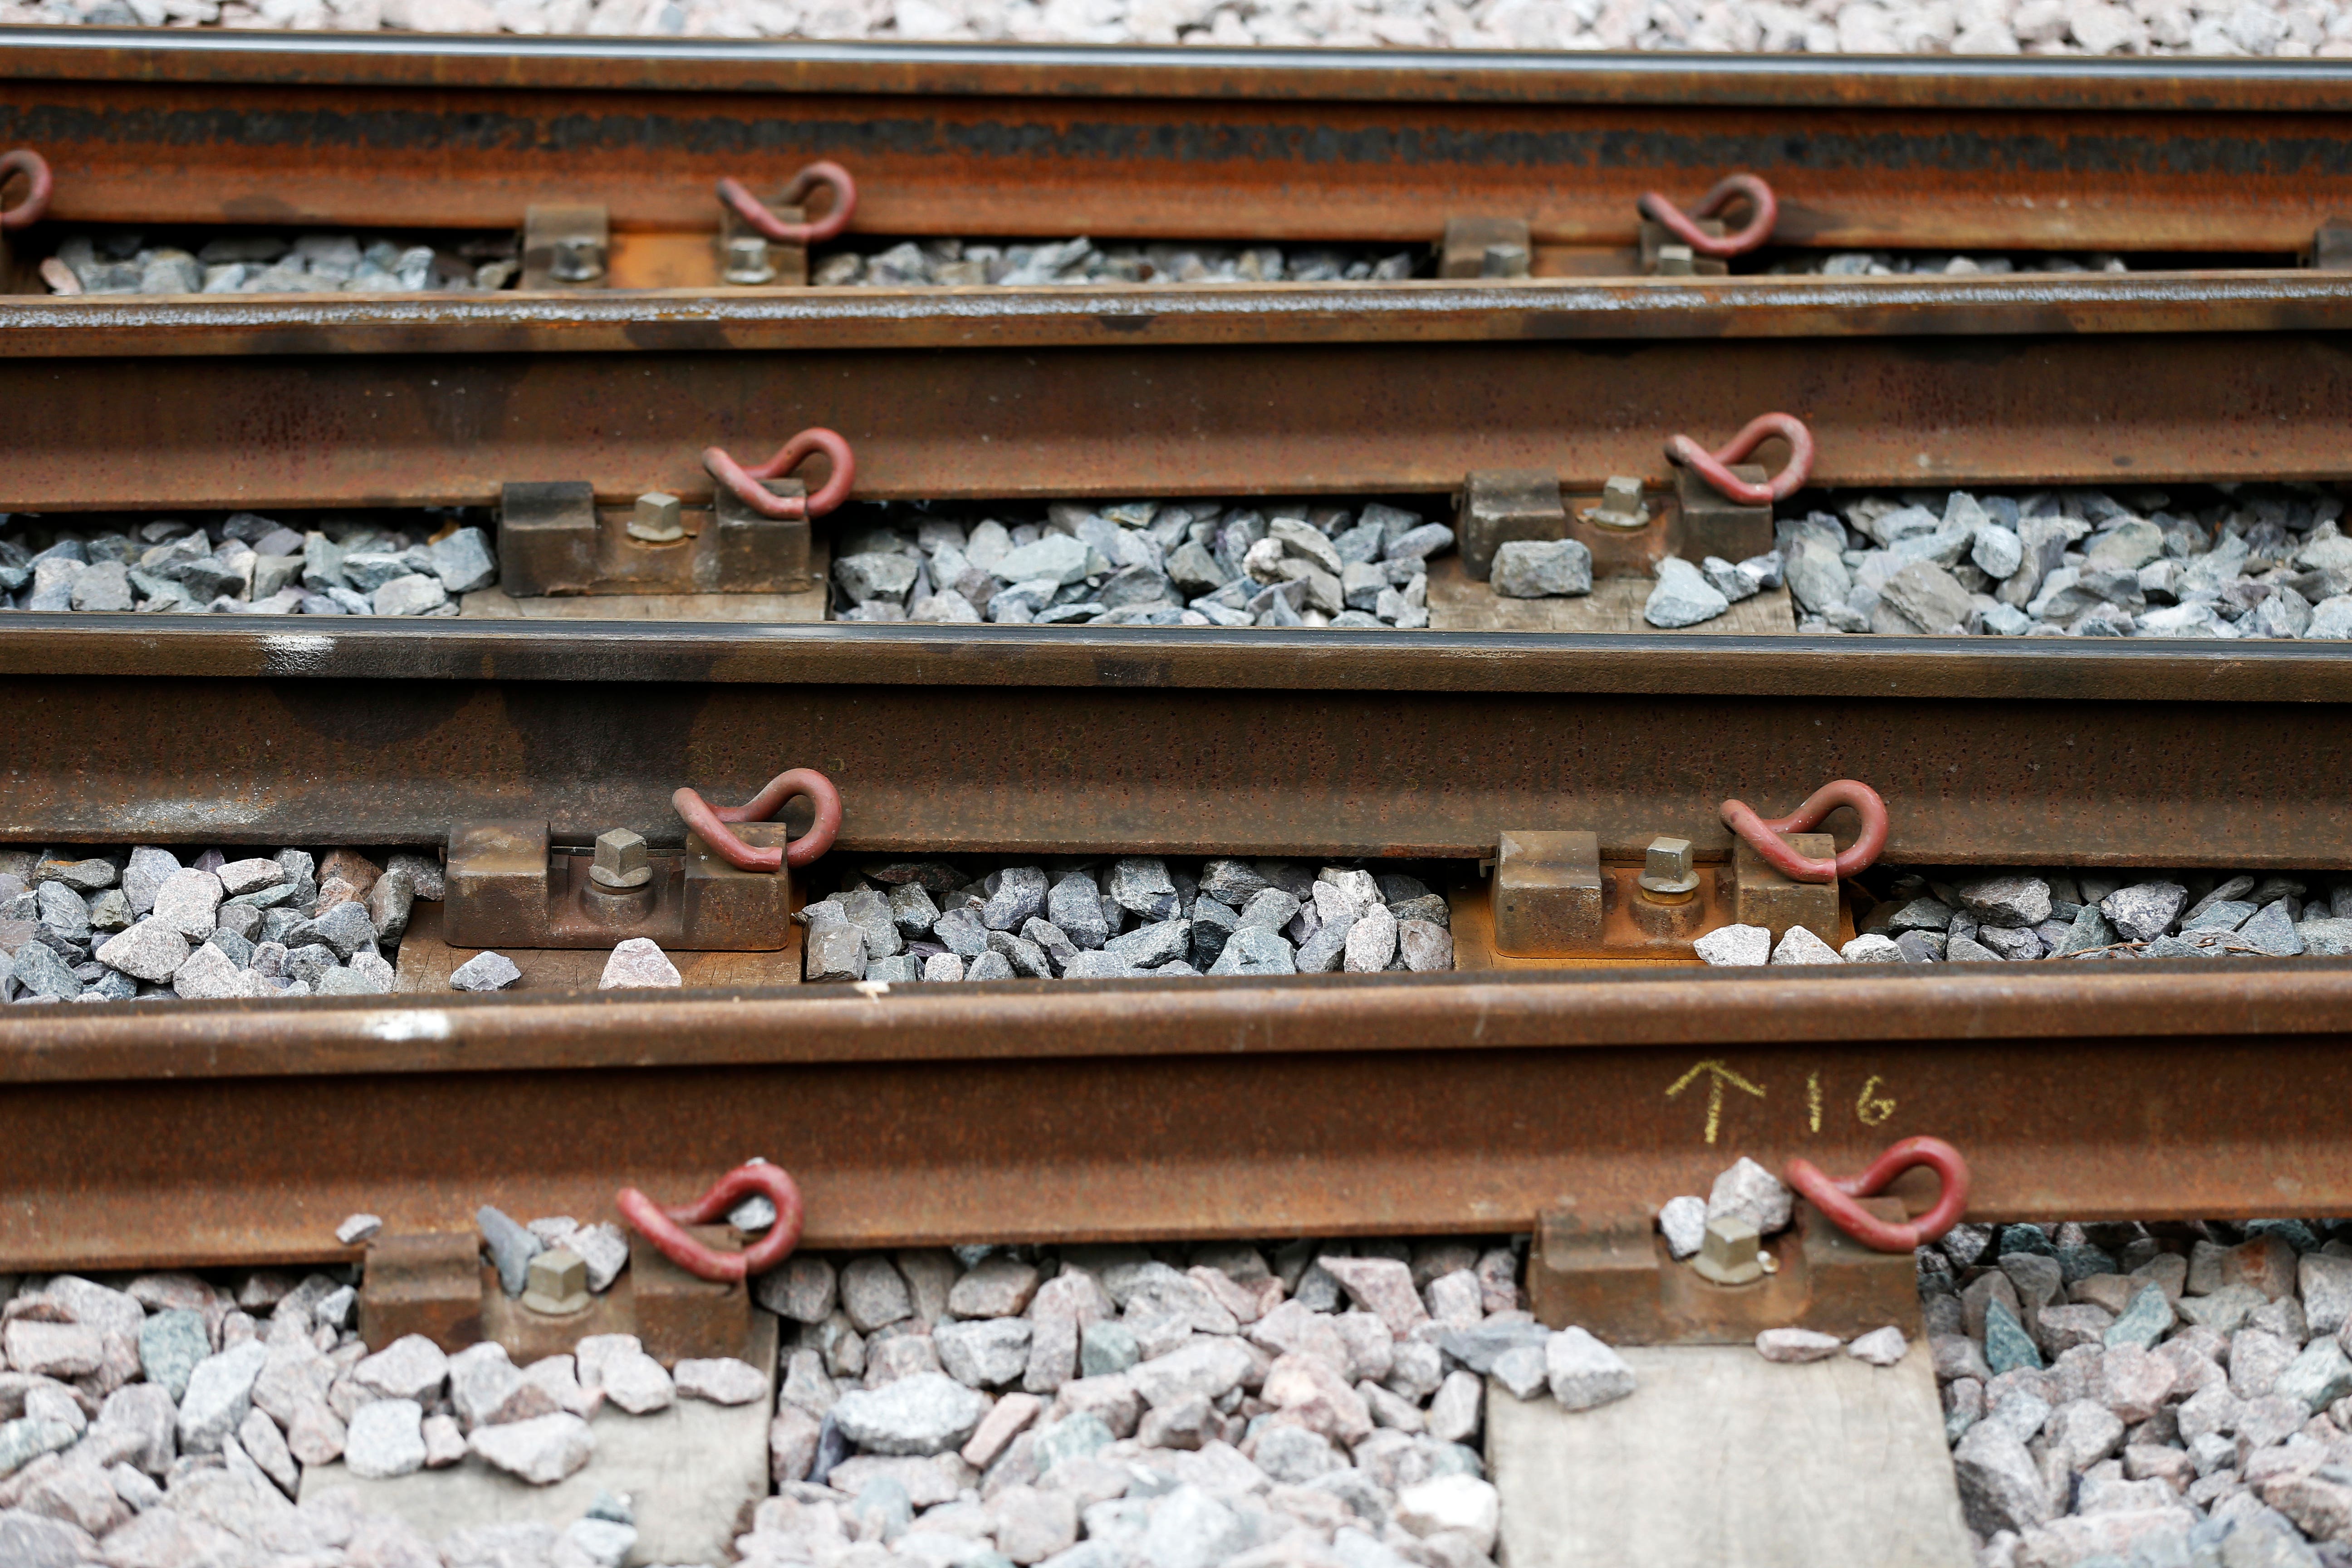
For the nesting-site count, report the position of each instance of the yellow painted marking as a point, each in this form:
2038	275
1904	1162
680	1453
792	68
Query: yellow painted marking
1874	1109
1717	1074
1813	1100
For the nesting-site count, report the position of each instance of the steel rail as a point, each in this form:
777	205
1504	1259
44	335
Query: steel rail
122	729
222	1132
2173	156
1002	419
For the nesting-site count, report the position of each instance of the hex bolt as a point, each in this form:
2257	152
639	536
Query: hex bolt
1731	1251
1505	260
746	261
620	861
1676	262
1621	504
578	258
1668	875
656	519
557	1283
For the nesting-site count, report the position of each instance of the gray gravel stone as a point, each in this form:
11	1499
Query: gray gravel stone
485	972
512	1248
464	561
1019	894
171	1346
1683	597
1533	569
2142	912
219	1393
1075	906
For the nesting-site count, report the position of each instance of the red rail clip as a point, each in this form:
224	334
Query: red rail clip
748	489
824	172
1835	1199
1766	211
1765	838
36	169
666	1228
711	821
1715	466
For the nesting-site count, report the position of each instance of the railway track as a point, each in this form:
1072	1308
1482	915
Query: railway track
1314	814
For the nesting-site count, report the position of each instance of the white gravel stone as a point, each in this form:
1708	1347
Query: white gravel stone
1522	1370
412	1367
1735	946
188	902
1880	1347
638	962
357	1228
1754	1193
1799	945
1683	1221
929	1412
385	1439
542	1451
1795	1345
1872	948
1683	597
722	1380
1455	1502
1584	1372
151	950
219	1393
637	1383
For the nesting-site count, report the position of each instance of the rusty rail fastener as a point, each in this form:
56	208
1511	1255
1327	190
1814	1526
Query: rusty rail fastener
1715	466
824	172
1765	212
711	821
746	486
666	1228
1835	1199
1765	838
36	169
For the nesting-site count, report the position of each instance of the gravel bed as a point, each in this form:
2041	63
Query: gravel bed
124	263
1127	917
1304	1403
2286	30
247	564
1145	562
1967	916
2162	1394
2120	1396
2223	562
959	261
110	926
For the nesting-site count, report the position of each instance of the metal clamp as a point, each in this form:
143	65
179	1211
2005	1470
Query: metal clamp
711	821
824	172
746	483
1835	1199
1763	837
1766	211
1715	466
666	1228
36	169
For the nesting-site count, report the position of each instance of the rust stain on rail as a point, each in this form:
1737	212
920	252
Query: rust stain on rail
1115	143
1171	1109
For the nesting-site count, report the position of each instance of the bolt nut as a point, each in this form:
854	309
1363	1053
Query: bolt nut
1621	504
557	1283
578	258
745	261
656	519
1668	873
621	860
1676	262
1728	1253
1504	261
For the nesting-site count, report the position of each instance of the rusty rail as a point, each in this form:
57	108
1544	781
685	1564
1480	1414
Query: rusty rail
1473	1101
207	127
123	729
1282	392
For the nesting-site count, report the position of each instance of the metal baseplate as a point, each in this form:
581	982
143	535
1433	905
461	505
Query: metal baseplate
436	1284
1629	528
1614	1276
1554	897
